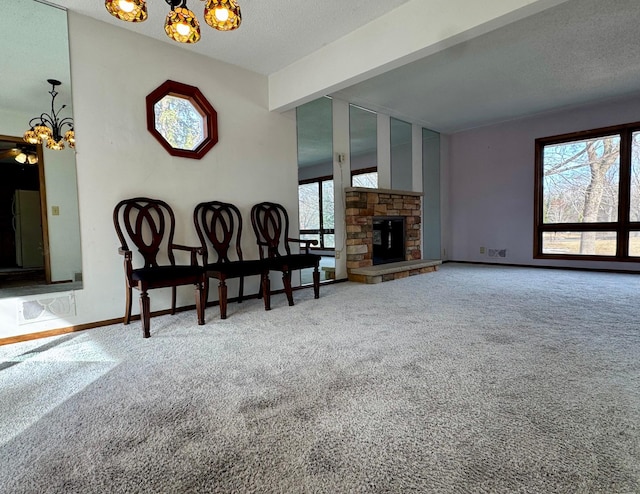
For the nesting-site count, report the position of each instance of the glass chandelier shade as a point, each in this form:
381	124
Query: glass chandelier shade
27	155
223	15
55	145
182	26
127	10
48	127
70	137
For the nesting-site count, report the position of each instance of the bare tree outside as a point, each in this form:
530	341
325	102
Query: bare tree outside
368	180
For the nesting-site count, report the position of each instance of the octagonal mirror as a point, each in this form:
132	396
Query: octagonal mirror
182	120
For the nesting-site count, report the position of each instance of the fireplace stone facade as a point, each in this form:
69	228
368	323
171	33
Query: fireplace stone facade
362	204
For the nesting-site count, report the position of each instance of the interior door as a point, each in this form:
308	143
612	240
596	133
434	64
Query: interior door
28	228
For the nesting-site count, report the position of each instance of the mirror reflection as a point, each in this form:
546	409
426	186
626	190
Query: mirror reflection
401	154
315	183
363	139
39	221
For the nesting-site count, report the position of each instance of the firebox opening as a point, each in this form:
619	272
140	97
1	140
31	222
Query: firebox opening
388	239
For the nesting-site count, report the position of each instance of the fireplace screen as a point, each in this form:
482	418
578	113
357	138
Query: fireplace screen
388	239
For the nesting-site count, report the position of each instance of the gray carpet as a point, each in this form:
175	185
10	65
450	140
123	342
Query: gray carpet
471	379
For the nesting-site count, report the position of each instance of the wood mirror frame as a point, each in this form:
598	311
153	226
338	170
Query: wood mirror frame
200	104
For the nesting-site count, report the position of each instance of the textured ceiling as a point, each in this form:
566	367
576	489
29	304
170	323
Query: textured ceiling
576	52
273	34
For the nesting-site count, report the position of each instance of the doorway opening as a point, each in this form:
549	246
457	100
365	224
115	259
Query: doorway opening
24	249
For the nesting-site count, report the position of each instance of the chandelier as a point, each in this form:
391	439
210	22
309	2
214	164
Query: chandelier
47	128
26	156
181	24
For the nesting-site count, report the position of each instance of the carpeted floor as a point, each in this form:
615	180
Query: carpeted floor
471	379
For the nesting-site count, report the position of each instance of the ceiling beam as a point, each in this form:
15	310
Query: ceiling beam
412	31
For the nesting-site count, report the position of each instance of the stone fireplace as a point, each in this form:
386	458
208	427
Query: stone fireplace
375	218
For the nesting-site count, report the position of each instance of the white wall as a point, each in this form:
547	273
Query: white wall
255	159
492	182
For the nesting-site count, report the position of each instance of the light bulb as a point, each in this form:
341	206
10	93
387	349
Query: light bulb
183	29
126	5
222	14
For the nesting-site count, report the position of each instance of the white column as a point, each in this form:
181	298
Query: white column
341	179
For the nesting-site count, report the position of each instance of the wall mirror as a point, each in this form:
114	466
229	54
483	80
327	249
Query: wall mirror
315	183
39	221
363	141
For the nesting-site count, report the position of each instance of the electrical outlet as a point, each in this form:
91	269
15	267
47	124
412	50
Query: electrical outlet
338	253
482	250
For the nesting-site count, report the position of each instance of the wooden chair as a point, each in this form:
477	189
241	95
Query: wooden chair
270	223
150	225
219	225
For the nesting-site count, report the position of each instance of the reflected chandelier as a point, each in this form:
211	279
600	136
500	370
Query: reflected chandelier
181	24
48	128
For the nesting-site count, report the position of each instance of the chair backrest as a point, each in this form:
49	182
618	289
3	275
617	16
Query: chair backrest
270	223
219	224
149	224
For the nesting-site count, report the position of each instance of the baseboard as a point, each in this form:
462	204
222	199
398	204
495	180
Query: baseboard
82	327
566	268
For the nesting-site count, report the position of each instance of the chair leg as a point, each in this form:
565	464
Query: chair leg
205	291
200	303
173	300
222	298
286	281
145	314
266	291
127	304
316	283
241	289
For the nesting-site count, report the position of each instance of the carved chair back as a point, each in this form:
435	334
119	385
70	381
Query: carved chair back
219	225
150	225
270	223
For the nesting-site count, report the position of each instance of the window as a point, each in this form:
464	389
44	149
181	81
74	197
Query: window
316	211
365	178
179	122
587	195
182	120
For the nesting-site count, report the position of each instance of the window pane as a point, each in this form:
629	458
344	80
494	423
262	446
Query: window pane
311	236
327	204
329	240
634	244
580	181
369	180
635	178
579	243
309	199
179	122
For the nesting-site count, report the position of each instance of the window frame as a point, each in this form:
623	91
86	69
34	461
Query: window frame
199	102
623	227
321	232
